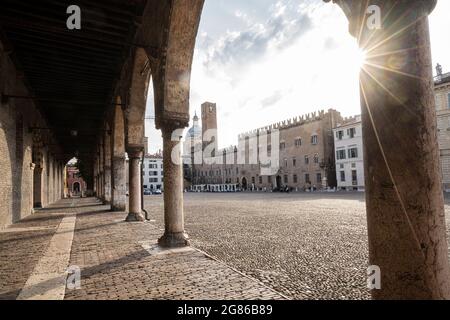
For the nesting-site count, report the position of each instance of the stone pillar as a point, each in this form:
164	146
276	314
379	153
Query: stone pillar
118	196
37	187
174	235
135	207
107	184
404	196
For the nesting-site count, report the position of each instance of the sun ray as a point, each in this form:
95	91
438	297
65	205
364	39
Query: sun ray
388	91
380	43
361	27
391	176
394	71
387	53
385	16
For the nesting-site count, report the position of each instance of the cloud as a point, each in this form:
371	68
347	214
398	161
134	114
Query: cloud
330	44
285	25
271	100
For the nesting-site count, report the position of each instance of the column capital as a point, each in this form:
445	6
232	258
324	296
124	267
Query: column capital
356	10
135	151
170	126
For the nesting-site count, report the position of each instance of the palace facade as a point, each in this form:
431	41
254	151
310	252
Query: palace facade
296	153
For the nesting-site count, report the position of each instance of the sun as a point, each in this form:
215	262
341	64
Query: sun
360	57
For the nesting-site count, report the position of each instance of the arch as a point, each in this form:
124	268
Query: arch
244	183
171	71
76	188
278	182
137	100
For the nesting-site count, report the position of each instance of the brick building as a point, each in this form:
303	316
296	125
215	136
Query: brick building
296	153
75	184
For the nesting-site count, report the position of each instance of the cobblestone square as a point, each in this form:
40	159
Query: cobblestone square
306	246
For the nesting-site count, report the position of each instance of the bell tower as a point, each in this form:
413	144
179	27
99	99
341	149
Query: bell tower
209	127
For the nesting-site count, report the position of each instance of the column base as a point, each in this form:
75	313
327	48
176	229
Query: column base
135	217
174	240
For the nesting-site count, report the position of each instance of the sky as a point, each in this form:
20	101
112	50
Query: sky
264	61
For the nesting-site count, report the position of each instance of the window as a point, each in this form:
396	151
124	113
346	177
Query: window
341	166
295	178
285	163
340	135
353	153
153	180
286	178
319	178
282	145
237	170
298	142
340	154
342	176
354	177
351	132
353	165
294	162
306	159
316	158
269	150
153	173
253	180
269	179
315	139
307	178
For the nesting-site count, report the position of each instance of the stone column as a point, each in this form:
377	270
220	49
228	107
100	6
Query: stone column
174	235
37	187
135	207
107	183
404	196
118	196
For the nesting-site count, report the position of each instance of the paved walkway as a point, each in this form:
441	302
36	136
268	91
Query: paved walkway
117	260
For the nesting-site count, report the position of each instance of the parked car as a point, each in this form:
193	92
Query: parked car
157	191
147	192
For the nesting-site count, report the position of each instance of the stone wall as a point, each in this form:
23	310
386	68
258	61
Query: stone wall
16	148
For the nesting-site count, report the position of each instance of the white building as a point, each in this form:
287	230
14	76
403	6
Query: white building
442	95
348	146
153	172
